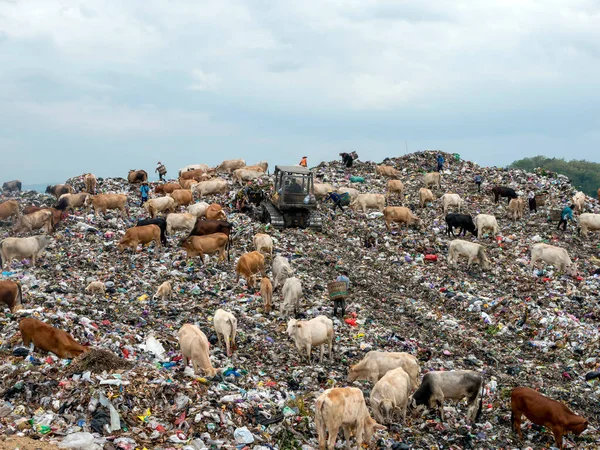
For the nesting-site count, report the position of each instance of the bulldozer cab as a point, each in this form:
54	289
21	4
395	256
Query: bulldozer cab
294	187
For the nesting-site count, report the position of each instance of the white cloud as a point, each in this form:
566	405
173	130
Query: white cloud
204	81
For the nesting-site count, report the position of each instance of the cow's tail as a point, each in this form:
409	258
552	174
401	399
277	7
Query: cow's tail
480	407
1	262
20	292
228	246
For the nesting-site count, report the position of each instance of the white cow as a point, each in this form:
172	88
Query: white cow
322	189
214	186
376	364
243	175
29	247
451	200
432	179
281	271
555	256
311	333
292	293
189	167
160	204
589	222
486	222
368	201
263	242
351	191
195	347
472	251
225	325
180	221
164	291
390	394
198	209
579	201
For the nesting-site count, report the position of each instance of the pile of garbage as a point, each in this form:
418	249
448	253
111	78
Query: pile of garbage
519	326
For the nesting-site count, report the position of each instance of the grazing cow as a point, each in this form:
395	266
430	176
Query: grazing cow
555	256
56	214
41	219
353	193
181	221
225	325
579	201
387	171
432	179
262	166
215	212
158	221
394	187
244	175
376	364
71	201
164	291
472	251
59	189
486	222
322	189
195	347
198	209
368	201
281	271
49	339
266	293
103	202
196	175
501	191
90	181
182	197
589	222
464	222
96	287
11	295
14	185
29	247
311	333
345	408
263	242
137	176
160	204
516	208
400	215
451	200
230	165
546	412
292	293
140	235
216	186
8	209
454	385
207	245
425	195
390	394
166	188
190	167
187	184
248	265
205	227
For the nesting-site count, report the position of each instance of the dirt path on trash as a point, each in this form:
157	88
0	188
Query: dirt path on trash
24	443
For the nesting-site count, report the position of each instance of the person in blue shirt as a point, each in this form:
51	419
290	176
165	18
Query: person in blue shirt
440	162
144	190
341	303
565	215
336	199
478	182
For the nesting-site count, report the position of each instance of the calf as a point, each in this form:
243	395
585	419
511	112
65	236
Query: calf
14	185
225	325
207	245
464	222
182	197
555	256
263	242
160	223
215	212
281	271
59	189
96	287
164	291
579	201
389	394
501	191
486	222
425	196
345	408
140	235
103	202
311	333
161	204
266	293
50	339
248	265
516	207
181	221
472	251
451	200
546	412
589	222
292	293
166	188
195	347
137	176
11	295
198	209
8	209
453	385
432	179
400	215
29	247
376	364
41	219
394	187
368	201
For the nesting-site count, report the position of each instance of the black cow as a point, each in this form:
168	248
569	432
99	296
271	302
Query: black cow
14	185
162	224
501	191
462	221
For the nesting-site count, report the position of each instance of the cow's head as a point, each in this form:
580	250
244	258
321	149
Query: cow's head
371	426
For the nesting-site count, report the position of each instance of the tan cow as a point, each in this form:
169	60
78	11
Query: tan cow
71	201
137	176
230	165
263	242
207	245
187	184
394	187
368	201
215	212
389	395
96	287
103	202
352	192
8	209
243	175
376	364
164	291
140	235
195	347
160	204
266	293
345	408
322	189
182	197
516	208
214	186
41	219
166	188
90	181
197	175
425	195
262	166
432	179
400	215
29	247
387	171
249	265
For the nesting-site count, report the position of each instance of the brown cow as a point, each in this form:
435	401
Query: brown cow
182	197
140	235
11	295
544	411
207	245
187	184
400	215
166	188
56	214
137	176
196	174
248	265
8	209
215	212
387	171
50	339
103	202
59	189
204	227
90	181
71	201
34	221
266	293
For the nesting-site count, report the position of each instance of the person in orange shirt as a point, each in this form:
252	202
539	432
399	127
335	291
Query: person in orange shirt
303	162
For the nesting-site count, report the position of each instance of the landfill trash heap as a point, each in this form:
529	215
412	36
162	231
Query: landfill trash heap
517	325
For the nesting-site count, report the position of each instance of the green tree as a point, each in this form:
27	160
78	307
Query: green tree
584	175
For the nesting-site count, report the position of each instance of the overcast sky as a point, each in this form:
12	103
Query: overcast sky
105	86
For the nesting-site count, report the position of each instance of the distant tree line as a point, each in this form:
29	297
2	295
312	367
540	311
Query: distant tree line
584	175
